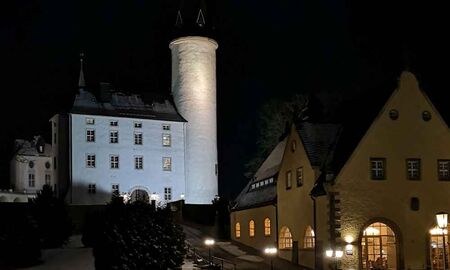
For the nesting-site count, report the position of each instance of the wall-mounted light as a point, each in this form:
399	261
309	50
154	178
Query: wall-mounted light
339	253
349	249
329	253
349	239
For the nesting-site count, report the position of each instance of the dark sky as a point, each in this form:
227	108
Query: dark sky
267	49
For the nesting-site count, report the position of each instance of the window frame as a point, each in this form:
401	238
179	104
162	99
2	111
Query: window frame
113	139
137	124
138	140
113	123
137	162
288	180
92	188
440	177
165	126
31	180
92	161
251	228
237	230
114	164
267	227
90	138
297	178
371	169
169	140
90	121
167	193
408	169
169	168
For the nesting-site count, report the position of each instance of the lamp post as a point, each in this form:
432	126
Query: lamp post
209	242
270	251
442	222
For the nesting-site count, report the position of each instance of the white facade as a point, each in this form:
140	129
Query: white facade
30	170
129	176
194	92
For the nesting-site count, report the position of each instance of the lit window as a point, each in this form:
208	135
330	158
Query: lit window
114	136
31	180
378	244
166	127
166	140
288	180
138	162
90	135
167	163
285	238
413	169
90	161
90	121
167	193
377	168
92	189
137	124
48	179
443	168
114	162
299	176
438	237
267	226
238	230
309	240
113	123
253	186
251	228
115	188
271	180
138	138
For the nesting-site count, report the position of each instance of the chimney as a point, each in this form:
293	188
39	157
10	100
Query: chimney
105	92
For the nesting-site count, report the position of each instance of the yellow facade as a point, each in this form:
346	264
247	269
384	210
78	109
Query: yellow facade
263	236
385	221
363	200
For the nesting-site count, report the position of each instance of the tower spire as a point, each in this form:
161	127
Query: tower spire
81	83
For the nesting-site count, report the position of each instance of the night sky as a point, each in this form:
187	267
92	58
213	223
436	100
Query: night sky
335	50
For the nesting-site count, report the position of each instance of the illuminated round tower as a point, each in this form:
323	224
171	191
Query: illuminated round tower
194	94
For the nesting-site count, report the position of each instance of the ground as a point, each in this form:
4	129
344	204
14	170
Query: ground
74	256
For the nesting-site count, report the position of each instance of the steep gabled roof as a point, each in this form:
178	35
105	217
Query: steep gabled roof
266	194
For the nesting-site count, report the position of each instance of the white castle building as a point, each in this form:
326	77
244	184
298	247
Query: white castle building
153	151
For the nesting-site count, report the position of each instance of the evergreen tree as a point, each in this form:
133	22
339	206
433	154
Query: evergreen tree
52	217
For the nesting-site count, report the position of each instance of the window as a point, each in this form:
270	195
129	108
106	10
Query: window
309	240
377	168
426	116
293	145
54	163
413	169
92	189
378	246
216	169
114	136
438	237
238	230
31	180
288	180
115	188
167	193
285	239
138	138
137	124
166	139
90	135
90	121
31	164
138	162
267	226
114	123
48	179
90	160
393	114
167	163
114	162
443	169
54	138
47	165
271	180
166	127
251	228
299	176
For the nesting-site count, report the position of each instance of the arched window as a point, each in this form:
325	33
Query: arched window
437	236
251	228
309	240
285	238
267	226
238	230
378	246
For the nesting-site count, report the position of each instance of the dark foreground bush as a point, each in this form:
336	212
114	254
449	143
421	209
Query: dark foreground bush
138	236
19	240
55	226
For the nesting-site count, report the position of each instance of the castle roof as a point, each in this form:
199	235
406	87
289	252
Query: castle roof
30	148
125	105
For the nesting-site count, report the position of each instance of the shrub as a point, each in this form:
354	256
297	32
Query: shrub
138	236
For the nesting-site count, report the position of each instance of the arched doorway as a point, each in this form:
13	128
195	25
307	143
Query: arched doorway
139	195
439	238
379	247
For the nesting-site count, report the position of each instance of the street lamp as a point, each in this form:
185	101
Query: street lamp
270	251
442	221
209	242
